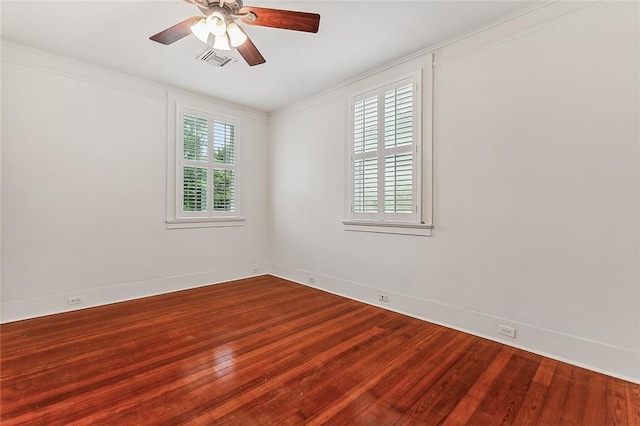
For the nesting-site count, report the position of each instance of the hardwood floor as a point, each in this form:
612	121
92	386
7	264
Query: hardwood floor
270	352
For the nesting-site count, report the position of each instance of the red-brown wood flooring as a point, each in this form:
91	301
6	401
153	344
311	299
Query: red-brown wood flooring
270	352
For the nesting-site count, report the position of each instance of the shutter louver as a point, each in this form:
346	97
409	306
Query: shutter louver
398	136
194	189
365	126
223	190
398	117
365	198
398	188
195	138
223	176
224	142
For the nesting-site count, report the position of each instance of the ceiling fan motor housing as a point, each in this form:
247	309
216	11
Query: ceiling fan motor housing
227	8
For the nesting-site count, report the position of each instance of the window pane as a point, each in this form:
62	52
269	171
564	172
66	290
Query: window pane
365	191
196	137
194	189
223	190
398	187
398	116
365	125
224	138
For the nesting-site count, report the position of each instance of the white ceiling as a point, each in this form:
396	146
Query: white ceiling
354	37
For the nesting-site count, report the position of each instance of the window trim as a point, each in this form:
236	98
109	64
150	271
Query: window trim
381	222
176	218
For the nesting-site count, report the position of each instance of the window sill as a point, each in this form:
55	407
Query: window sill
419	229
198	222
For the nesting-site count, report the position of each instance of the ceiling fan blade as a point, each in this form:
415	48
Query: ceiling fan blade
175	33
250	53
285	19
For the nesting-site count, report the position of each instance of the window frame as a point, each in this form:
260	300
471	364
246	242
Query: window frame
176	216
418	222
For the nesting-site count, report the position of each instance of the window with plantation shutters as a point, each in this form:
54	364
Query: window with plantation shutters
207	165
385	148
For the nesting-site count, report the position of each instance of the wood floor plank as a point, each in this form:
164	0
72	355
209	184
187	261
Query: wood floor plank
633	404
576	399
385	384
468	405
596	401
364	409
268	351
616	412
531	405
337	372
436	404
504	399
255	376
545	372
554	402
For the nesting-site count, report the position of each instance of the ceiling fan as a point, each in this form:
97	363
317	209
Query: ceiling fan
220	21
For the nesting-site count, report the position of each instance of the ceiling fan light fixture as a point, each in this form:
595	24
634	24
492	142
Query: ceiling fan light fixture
216	24
236	35
221	42
200	30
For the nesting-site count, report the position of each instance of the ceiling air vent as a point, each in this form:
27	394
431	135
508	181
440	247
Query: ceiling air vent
215	58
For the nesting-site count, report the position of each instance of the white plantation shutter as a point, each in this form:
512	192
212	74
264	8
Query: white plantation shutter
195	135
365	198
398	116
384	162
223	174
208	175
223	190
398	183
365	160
365	123
399	168
224	138
194	188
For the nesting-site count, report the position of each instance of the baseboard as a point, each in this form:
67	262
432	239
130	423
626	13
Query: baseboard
17	310
596	356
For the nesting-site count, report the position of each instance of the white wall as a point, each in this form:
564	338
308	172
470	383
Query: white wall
84	191
536	200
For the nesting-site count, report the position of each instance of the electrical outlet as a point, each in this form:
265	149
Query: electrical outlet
76	300
383	298
312	279
507	331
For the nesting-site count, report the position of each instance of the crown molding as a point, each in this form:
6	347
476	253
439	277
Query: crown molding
532	21
26	56
520	23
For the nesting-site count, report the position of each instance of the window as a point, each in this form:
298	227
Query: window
206	184
385	157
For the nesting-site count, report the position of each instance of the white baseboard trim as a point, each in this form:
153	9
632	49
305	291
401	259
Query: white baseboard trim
592	355
17	310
